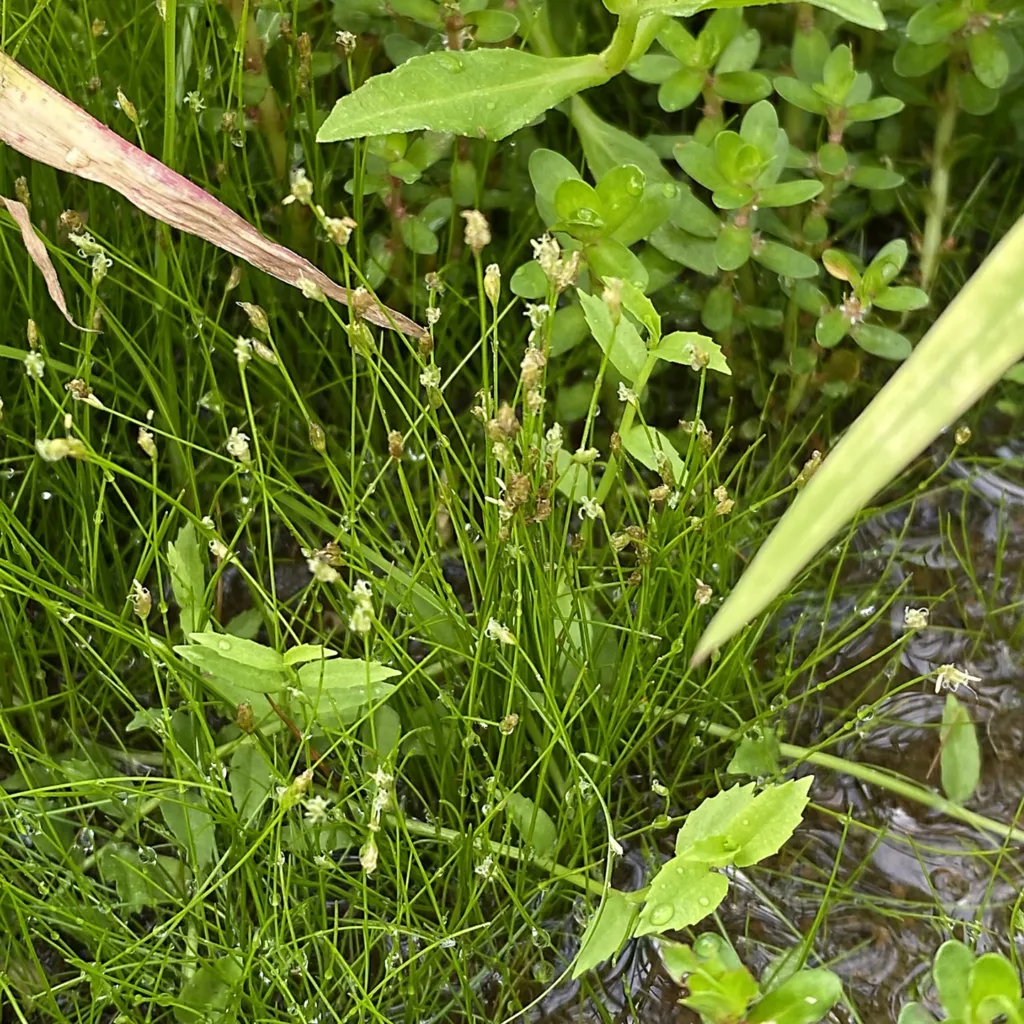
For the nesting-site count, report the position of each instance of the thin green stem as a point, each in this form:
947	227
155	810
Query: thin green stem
942	163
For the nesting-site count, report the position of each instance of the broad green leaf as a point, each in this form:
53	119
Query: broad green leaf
619	191
732	247
243	652
191	824
187	577
141	880
712	816
492	26
800	94
568	329
804	998
208	997
701	164
741	52
609	258
478	93
721	996
681	894
680	89
877	178
756	757
809	53
961	758
882	342
974	97
690	250
651	447
840	266
236	682
679	346
653	68
832	158
951	970
974	342
620	342
838	74
533	822
788	193
874	110
831	328
758	826
860	12
784	261
250	779
716	313
529	281
246	624
386	733
912	60
609	928
580	210
606	146
343	674
548	170
994	986
936	22
642	308
743	86
989	59
307	652
901	298
915	1013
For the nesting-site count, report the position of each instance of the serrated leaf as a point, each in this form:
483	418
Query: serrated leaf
192	826
608	929
340	674
756	757
679	347
533	822
642	308
188	580
681	894
712	816
477	93
620	342
250	779
770	820
650	446
961	757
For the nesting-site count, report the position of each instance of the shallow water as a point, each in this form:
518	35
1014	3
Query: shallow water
910	877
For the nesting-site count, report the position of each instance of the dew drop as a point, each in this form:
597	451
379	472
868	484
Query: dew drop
635	185
86	840
147	855
704	901
224	645
661	914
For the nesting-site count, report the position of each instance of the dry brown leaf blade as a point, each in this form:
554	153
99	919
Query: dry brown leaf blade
43	125
40	257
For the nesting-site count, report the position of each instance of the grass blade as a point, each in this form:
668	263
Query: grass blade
967	350
43	125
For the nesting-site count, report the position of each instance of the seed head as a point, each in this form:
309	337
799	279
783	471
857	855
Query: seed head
302	188
141	600
347	43
724	503
21	191
238	446
915	618
244	718
702	594
53	449
478	231
949	677
127	107
317	437
368	856
311	289
508	724
499	633
339	229
81	392
395	445
492	283
257	316
962	435
147	442
35	365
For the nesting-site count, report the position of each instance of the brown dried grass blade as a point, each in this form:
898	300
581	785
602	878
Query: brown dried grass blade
42	124
40	257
